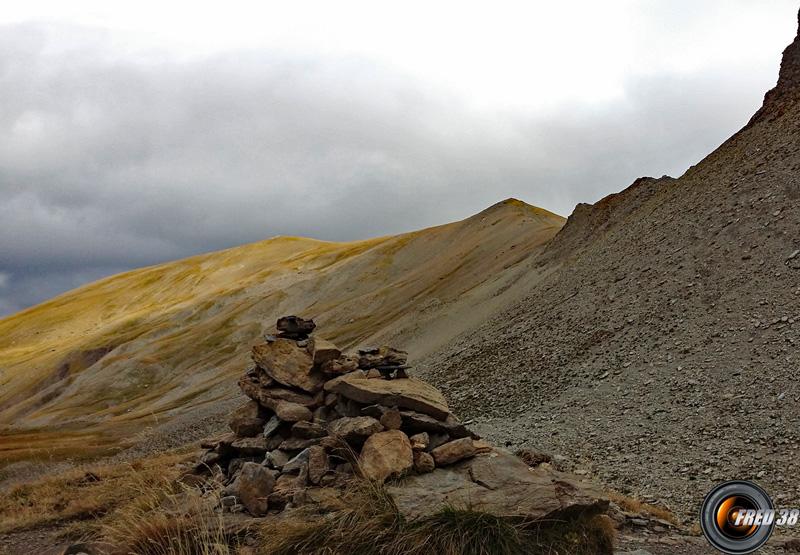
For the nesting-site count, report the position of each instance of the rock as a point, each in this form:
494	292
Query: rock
423	462
292	412
453	451
252	486
271	426
341	365
212	442
418	422
284	490
385	454
436	440
498	483
251	446
391	419
317	464
208	460
297	443
228	501
322	415
347	407
288	364
269	397
482	446
381	356
295	464
247	421
276	459
355	429
322	351
533	458
308	430
295	327
408	393
420	441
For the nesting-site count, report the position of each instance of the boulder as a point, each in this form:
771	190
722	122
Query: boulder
354	429
453	451
423	462
317	464
408	393
252	486
498	483
295	327
322	351
386	454
247	421
289	364
391	419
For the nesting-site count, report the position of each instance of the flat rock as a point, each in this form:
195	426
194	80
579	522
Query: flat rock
407	393
276	459
386	454
354	429
251	446
252	486
287	363
498	483
308	430
418	422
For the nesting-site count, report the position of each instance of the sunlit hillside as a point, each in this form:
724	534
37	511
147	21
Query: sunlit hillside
91	368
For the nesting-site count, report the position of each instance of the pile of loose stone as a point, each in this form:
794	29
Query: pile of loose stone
316	417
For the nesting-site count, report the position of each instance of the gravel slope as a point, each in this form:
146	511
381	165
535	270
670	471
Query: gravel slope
662	354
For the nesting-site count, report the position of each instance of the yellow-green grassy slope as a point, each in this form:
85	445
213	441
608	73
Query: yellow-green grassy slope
141	346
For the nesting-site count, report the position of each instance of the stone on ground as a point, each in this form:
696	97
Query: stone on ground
453	451
252	486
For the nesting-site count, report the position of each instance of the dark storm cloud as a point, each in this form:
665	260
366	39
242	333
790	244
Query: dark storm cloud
110	162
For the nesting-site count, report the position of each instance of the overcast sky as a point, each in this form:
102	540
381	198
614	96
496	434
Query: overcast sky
138	134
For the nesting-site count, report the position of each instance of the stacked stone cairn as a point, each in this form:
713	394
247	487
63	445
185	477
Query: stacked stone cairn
317	416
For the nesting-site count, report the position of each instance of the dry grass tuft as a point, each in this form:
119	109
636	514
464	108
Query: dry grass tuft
86	493
163	522
633	505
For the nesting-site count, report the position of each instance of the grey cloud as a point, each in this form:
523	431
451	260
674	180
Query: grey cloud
108	162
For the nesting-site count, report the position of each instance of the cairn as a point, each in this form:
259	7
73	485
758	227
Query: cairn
317	416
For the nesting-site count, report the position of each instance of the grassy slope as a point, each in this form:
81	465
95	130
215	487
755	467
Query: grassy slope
151	342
